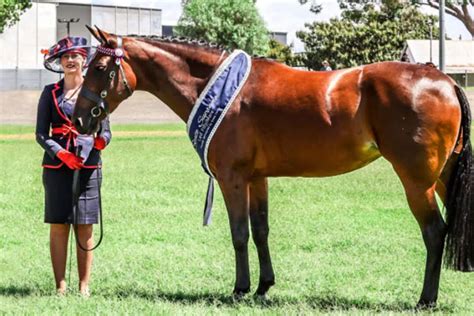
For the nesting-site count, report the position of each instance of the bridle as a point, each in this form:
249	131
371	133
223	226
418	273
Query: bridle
99	99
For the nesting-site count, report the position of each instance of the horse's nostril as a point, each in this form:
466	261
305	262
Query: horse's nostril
78	122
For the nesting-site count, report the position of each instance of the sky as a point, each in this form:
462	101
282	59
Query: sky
279	15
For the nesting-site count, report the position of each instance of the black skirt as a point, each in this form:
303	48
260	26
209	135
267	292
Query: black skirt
58	196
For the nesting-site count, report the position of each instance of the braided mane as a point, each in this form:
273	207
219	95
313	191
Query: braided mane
189	41
179	40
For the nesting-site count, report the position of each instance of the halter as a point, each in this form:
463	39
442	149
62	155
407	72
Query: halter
99	99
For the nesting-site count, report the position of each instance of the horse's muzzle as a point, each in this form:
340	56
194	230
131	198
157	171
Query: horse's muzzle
88	125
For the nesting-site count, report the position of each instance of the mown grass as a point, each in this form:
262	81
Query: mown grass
345	244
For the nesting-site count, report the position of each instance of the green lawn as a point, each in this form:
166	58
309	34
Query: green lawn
345	244
469	88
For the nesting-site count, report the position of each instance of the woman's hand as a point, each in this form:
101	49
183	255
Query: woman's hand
99	143
71	160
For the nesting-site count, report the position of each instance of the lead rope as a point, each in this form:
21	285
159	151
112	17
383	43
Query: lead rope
75	202
70	257
74	228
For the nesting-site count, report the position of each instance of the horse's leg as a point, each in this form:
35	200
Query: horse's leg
260	230
422	202
443	181
235	190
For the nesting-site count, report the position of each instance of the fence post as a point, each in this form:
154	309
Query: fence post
465	78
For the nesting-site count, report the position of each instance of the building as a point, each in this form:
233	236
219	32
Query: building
459	57
280	37
21	61
167	30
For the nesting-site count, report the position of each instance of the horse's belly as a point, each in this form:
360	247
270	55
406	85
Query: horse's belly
316	161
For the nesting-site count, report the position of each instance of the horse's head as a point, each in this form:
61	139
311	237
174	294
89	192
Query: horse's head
109	80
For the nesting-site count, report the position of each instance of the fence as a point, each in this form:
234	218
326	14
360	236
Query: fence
465	79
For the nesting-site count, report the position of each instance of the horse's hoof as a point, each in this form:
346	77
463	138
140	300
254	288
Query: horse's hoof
260	298
239	294
264	286
425	304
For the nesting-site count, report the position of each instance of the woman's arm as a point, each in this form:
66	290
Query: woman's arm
43	122
105	131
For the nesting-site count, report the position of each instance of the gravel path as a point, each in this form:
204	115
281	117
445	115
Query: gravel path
19	107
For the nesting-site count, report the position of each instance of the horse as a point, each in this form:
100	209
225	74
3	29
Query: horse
296	123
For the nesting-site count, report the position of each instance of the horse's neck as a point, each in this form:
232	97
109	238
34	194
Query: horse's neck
175	73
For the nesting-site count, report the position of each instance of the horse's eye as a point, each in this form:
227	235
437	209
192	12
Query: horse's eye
101	67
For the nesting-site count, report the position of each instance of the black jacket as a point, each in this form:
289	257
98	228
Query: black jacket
51	116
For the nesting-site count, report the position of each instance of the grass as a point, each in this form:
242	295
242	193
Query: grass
345	244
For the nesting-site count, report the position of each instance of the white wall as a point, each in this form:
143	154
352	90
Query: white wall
133	22
123	21
21	44
69	11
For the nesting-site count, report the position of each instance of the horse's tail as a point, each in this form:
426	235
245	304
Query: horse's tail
460	199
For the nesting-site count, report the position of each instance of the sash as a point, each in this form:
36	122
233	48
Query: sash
210	109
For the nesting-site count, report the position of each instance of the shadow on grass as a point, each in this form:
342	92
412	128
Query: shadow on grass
12	290
322	302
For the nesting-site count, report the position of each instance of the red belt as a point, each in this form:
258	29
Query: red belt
68	131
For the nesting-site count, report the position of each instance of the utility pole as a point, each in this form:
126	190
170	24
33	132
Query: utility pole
442	31
68	23
431	40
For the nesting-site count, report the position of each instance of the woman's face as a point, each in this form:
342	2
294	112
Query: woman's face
73	63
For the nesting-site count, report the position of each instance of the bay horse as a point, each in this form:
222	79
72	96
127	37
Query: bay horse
295	123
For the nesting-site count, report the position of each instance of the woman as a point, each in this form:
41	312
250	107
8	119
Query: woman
58	137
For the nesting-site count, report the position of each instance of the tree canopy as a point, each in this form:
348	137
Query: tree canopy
460	9
365	33
231	23
280	52
10	11
457	8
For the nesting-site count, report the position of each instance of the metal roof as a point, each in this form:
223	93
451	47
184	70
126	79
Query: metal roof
459	54
130	4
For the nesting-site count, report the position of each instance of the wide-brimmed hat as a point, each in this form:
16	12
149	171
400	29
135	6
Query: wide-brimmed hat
53	55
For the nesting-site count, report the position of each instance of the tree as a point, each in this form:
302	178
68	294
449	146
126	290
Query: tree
280	52
315	7
459	9
364	34
10	11
231	23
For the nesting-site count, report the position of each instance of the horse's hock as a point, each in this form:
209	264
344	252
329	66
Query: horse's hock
19	107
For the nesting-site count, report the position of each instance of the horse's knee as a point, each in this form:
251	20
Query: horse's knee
260	234
240	239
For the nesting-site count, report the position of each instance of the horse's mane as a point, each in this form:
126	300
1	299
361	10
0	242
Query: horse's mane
214	47
180	40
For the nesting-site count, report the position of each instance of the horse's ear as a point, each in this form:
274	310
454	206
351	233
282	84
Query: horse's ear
103	35
94	33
